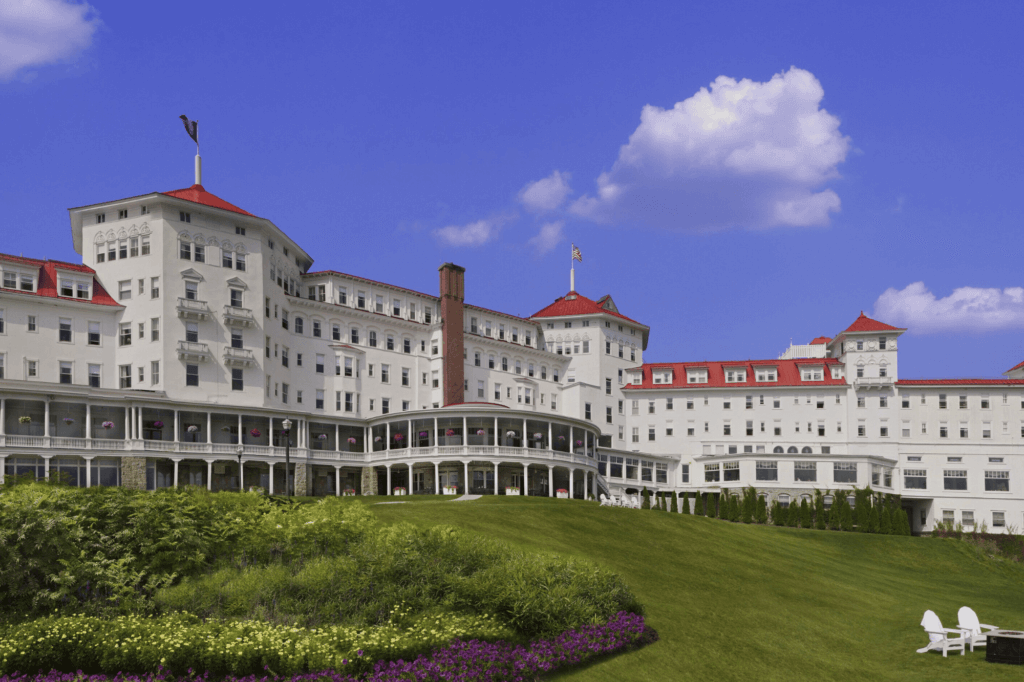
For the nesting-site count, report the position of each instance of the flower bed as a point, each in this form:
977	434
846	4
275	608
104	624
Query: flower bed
459	660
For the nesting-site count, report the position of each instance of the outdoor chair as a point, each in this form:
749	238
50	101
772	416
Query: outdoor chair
606	501
938	636
972	627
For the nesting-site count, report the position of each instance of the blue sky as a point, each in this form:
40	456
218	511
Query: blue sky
736	174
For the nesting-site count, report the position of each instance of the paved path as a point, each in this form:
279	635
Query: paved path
396	502
467	498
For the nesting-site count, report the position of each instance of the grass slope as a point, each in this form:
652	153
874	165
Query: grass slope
759	602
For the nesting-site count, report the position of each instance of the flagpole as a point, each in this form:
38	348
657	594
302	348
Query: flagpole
572	269
199	159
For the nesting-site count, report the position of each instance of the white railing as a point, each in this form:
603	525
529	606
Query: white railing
76	443
233	314
872	381
193	306
15	441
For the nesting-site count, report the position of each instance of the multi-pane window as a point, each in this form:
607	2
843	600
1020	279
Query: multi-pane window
124	337
200	253
65	372
192	332
711	473
806	472
767	471
319	399
94	376
915	479
236	338
125	376
997	481
64	332
844	472
954	479
731	471
154	372
154	329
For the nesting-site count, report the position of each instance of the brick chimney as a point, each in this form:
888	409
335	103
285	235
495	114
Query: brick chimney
453	293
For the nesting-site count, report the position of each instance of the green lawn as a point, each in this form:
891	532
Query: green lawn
759	602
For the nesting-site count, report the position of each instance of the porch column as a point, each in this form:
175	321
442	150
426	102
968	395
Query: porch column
526	441
551	443
337	442
408	439
46	427
240	438
88	471
495	478
46	467
572	444
177	426
209	474
551	481
526	480
437	472
497	436
337	481
3	467
387	446
465	434
409	491
366	439
465	468
139	432
270	436
3	415
389	478
88	419
572	490
271	478
593	484
176	460
433	441
127	421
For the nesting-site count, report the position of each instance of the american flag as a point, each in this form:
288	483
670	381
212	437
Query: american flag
577	254
191	127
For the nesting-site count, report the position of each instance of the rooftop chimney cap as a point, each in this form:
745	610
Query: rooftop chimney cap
452	266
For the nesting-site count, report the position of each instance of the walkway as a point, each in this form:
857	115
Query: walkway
467	498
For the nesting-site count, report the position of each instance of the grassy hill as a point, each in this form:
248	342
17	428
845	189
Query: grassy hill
759	602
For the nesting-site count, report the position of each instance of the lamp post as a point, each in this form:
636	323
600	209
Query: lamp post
287	426
241	485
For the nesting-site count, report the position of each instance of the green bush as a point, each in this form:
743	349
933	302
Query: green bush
675	503
685	501
646	504
885	521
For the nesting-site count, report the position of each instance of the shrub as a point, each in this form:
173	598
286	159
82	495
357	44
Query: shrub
873	519
675	503
885	521
820	519
647	499
777	514
805	515
749	505
685	500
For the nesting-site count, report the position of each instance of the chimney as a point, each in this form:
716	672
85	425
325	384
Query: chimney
453	293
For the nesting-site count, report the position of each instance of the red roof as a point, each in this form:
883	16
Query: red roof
960	382
197	195
788	374
1019	365
47	280
577	304
866	324
820	340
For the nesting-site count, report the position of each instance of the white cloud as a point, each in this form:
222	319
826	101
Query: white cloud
548	238
742	154
546	194
967	309
37	32
473	234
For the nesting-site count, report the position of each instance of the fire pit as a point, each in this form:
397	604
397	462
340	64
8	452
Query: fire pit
1005	646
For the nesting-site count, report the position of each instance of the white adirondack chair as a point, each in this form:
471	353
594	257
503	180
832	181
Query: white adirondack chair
606	501
939	637
970	624
634	502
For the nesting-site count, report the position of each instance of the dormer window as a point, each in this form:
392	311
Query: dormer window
28	283
696	376
71	288
767	374
10	280
812	374
837	372
733	376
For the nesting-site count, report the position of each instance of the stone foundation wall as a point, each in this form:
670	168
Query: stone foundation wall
303	479
133	473
368	484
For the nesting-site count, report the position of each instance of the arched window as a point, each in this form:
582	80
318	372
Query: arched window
299	325
851	500
372	339
806	450
828	501
784	500
805	498
778	450
792	450
519	367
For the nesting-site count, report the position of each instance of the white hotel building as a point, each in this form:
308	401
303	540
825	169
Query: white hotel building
193	329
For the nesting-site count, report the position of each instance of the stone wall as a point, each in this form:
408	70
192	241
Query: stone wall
133	473
368	484
303	479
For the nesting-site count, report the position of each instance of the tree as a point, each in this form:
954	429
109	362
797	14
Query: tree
776	514
749	505
819	510
647	499
685	501
805	514
862	498
846	517
873	520
792	515
698	504
762	509
835	511
734	508
904	522
675	503
723	505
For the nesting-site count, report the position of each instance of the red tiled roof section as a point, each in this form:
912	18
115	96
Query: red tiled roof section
820	340
46	285
866	324
198	195
1019	365
960	382
577	304
788	374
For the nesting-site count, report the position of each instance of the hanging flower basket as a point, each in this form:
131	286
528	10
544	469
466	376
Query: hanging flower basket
481	432
579	443
322	436
510	434
225	429
192	428
25	420
158	425
69	421
398	438
537	436
450	432
107	425
377	439
423	434
351	441
561	438
255	433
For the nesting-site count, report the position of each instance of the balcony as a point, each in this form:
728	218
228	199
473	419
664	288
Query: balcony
190	350
239	357
239	317
872	382
191	309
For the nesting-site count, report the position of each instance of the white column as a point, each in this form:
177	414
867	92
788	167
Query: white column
127	421
138	429
366	439
593	483
526	442
495	478
176	472
437	470
526	479
209	474
433	440
88	471
465	469
337	441
3	418
551	443
387	446
389	478
177	426
551	481
88	419
465	434
271	478
46	466
409	491
241	439
572	441
46	430
270	432
3	465
497	436
337	480
408	444
571	489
